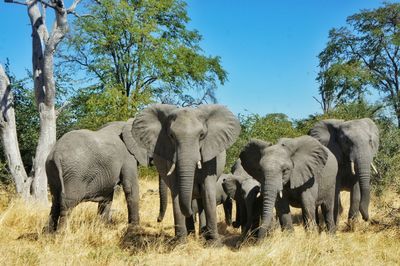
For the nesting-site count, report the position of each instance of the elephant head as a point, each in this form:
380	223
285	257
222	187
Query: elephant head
290	162
354	144
231	183
186	137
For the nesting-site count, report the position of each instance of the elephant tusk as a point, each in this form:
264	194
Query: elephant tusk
374	168
171	170
280	194
353	171
199	165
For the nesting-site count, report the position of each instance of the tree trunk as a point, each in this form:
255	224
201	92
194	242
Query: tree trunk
9	138
43	48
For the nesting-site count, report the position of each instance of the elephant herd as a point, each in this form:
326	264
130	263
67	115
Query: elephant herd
188	147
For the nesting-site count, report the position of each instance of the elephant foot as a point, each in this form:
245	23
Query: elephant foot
236	224
214	243
178	240
48	229
351	224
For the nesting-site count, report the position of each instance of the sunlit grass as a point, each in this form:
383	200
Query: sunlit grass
88	241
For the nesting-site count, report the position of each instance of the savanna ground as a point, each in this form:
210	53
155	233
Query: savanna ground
88	241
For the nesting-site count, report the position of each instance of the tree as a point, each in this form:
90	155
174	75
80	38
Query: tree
44	45
364	55
144	50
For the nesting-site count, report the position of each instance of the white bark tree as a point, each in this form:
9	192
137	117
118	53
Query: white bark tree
8	132
44	45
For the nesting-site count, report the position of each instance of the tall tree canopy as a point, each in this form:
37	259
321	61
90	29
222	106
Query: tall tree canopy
364	55
142	50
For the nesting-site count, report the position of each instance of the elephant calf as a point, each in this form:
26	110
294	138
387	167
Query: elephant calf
300	172
245	191
86	165
197	206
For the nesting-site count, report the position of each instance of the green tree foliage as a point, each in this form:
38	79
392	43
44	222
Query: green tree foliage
140	51
363	55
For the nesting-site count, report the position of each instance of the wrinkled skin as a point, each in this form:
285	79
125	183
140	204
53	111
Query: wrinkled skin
354	141
301	170
189	146
197	208
86	165
245	191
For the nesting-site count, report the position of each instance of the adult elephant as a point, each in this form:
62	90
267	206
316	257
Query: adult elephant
188	147
354	144
300	172
86	165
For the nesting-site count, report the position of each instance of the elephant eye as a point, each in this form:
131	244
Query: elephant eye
172	136
202	135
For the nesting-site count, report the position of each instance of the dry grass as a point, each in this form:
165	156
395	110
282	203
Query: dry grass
88	241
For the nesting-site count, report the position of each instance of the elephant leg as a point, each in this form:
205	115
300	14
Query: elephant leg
328	212
355	197
317	221
179	218
54	215
104	209
65	210
283	212
228	211
210	205
130	184
202	217
237	224
189	222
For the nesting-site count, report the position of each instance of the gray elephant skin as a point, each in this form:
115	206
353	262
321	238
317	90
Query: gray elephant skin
245	190
197	206
188	147
354	144
299	172
86	165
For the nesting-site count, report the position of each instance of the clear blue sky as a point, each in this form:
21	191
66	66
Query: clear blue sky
269	48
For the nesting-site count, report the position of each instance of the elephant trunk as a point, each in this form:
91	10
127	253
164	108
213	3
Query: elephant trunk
269	192
186	172
363	172
163	191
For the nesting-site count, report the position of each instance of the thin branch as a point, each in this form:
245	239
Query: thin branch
72	8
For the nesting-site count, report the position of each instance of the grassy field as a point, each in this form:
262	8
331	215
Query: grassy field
88	241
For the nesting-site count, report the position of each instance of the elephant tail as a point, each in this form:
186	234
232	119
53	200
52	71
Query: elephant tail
55	174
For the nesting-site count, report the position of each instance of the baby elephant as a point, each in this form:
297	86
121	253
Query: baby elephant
86	165
245	191
197	206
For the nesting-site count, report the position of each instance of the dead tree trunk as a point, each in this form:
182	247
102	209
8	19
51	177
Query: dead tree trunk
44	46
9	138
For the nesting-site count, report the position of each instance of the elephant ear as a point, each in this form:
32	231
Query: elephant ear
133	147
373	134
223	128
251	155
326	132
149	129
308	156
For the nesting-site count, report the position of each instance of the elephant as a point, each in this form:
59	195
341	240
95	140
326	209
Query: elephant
299	172
246	192
189	151
86	165
197	207
354	144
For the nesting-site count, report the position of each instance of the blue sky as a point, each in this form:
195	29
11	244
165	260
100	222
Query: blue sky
269	48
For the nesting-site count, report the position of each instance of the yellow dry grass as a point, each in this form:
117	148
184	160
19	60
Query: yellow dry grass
88	241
